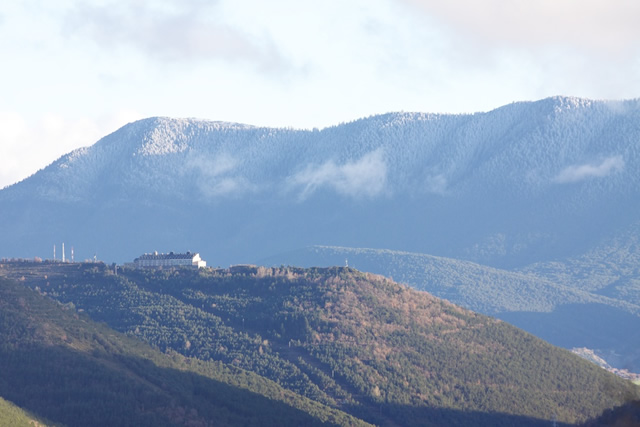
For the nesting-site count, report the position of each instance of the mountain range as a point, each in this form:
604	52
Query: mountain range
529	212
528	182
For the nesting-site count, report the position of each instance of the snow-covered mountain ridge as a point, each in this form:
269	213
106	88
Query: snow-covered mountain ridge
522	150
481	186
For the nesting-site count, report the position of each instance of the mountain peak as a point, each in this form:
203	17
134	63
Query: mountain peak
164	135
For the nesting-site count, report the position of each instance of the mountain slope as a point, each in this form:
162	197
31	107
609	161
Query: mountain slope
558	302
11	415
625	416
64	367
376	349
610	269
525	183
480	288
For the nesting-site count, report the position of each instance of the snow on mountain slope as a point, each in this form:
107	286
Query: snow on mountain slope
520	181
525	146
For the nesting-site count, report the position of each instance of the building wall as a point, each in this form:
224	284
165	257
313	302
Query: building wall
164	261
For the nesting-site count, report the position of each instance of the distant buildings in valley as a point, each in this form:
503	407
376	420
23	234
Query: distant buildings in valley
156	260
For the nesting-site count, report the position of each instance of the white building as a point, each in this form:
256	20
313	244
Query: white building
156	260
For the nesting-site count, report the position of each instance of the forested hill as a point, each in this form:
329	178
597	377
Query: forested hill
592	301
527	182
11	415
357	342
60	365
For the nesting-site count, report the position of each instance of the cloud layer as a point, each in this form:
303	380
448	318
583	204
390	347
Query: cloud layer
188	30
606	28
362	178
217	176
576	173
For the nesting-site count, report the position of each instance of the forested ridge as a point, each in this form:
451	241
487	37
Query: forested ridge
62	366
591	301
354	341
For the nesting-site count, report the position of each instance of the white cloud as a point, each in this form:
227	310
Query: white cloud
171	31
609	28
217	176
583	48
365	177
575	173
436	184
235	186
216	166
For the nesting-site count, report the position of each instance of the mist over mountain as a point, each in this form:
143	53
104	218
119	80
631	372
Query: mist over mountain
527	183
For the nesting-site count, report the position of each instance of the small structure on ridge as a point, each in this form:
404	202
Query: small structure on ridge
156	260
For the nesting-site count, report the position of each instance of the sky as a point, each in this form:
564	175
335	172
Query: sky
74	71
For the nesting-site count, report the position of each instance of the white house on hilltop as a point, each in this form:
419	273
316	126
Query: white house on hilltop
156	260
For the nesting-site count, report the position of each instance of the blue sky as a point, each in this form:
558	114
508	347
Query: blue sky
73	71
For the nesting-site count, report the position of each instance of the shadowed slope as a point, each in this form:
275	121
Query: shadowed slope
361	343
64	367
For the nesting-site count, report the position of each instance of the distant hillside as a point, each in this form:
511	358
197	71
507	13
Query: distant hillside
62	366
610	269
478	287
527	182
378	350
558	302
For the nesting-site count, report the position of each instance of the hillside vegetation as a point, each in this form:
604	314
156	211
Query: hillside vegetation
584	302
362	343
627	415
60	365
11	415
